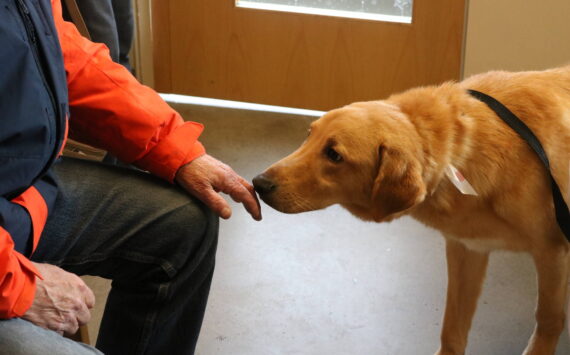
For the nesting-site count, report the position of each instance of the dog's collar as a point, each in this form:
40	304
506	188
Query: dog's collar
560	206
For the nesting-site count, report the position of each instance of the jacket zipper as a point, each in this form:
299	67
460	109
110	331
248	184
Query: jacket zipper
32	37
31	32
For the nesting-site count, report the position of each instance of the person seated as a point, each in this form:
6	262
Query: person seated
154	234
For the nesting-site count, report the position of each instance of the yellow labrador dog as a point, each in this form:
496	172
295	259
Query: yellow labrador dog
384	159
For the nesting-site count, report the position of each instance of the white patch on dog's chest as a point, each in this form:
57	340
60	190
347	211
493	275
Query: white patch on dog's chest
482	245
480	231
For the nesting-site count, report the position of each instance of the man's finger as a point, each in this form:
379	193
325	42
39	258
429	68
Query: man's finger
247	185
216	202
88	295
70	325
255	209
55	325
83	315
241	194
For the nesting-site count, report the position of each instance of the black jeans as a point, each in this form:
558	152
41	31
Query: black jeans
153	240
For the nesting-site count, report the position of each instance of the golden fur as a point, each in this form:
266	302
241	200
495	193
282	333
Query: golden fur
393	155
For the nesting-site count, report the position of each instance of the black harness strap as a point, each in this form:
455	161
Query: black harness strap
560	207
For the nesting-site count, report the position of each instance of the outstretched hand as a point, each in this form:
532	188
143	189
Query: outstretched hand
205	176
62	301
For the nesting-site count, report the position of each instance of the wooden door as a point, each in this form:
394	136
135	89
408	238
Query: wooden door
211	48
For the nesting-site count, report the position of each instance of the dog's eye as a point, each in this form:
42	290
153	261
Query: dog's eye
332	155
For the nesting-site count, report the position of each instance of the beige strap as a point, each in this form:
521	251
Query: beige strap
77	18
75	149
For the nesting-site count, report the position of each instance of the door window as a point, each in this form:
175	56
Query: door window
380	10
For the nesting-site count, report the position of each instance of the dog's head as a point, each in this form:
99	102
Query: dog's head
365	156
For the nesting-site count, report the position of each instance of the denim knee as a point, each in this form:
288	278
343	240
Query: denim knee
20	337
191	230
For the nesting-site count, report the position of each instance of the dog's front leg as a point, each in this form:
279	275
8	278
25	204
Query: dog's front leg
465	272
552	274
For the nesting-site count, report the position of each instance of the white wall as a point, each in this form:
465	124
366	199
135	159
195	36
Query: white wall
516	35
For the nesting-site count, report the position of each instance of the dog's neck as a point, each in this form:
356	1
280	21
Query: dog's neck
441	117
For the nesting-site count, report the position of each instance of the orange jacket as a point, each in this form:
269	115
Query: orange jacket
108	109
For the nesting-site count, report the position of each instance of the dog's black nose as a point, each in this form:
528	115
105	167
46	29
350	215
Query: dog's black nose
263	184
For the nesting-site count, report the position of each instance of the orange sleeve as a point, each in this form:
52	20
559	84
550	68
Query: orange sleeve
17	279
110	109
35	205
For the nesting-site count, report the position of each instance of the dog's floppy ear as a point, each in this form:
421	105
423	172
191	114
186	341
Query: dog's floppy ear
398	185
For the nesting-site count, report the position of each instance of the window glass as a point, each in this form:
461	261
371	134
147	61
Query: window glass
383	10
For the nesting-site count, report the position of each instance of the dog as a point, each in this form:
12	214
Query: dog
384	159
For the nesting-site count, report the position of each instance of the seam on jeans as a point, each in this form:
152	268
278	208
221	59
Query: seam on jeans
165	288
160	296
165	265
150	320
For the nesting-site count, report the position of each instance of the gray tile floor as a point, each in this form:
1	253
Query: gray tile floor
327	283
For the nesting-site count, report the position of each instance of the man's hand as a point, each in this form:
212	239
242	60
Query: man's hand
62	300
205	176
